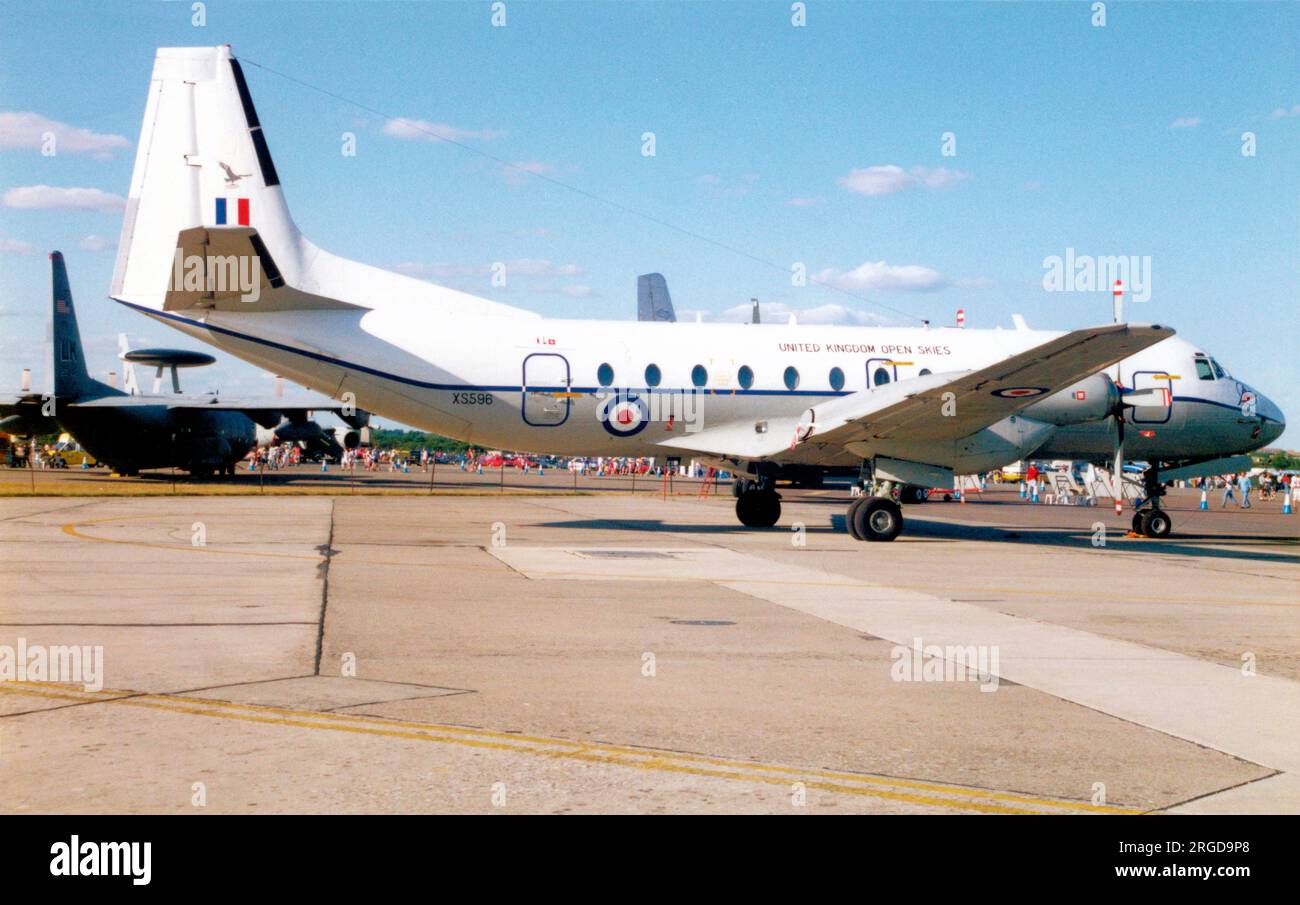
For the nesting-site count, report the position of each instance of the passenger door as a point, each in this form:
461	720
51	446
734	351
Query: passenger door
545	385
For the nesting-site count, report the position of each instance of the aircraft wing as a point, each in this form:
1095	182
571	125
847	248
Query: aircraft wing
920	409
268	411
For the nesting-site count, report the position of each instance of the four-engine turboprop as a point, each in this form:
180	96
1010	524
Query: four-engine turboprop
908	406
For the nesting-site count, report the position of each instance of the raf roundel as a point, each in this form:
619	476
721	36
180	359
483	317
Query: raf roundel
625	416
1019	392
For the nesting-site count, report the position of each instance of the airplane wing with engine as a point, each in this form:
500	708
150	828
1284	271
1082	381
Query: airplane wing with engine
928	411
266	411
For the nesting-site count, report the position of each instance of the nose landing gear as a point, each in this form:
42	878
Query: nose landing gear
1150	520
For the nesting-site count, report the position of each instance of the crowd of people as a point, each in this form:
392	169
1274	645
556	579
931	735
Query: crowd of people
1237	487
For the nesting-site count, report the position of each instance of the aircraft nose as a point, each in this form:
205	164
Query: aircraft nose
1274	421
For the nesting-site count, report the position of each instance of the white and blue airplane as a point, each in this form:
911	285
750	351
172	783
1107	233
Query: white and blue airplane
220	259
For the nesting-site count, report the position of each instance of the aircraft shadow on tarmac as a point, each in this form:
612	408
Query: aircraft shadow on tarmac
1195	545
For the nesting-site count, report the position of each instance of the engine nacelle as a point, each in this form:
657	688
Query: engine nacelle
298	432
1088	400
24	426
349	438
1010	440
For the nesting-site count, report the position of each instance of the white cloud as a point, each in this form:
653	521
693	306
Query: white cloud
727	186
803	202
518	171
539	267
523	267
423	130
889	179
46	197
879	276
939	177
15	247
1283	112
29	130
1185	122
779	312
93	243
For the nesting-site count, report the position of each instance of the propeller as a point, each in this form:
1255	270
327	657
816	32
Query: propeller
1118	458
1128	399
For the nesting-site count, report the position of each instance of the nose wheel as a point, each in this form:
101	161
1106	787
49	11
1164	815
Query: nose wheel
1154	523
1150	520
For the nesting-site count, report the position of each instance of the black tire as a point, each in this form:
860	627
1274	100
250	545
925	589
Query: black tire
914	494
879	519
758	508
850	517
739	486
1156	523
1138	526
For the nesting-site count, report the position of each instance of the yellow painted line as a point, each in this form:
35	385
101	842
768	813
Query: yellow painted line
611	755
71	529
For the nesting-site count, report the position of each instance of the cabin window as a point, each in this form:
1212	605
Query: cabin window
881	377
1203	369
699	375
791	378
745	377
652	375
605	374
1219	373
837	379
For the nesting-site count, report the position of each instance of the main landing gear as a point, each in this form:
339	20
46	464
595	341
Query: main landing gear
1149	520
758	505
877	517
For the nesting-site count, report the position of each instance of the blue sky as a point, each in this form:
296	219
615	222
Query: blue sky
820	144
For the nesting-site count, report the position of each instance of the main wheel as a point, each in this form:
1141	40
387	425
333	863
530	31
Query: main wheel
1156	523
758	508
913	493
850	517
879	519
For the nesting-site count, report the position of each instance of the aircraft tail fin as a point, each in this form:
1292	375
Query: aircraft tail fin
207	226
652	300
202	162
67	356
130	382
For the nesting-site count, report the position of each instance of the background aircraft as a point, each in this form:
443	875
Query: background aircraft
203	434
652	300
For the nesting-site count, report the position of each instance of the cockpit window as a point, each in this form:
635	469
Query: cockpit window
1203	369
1219	373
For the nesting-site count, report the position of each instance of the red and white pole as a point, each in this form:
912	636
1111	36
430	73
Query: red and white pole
961	318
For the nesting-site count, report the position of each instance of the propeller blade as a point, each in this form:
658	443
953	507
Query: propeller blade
1118	473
